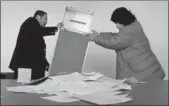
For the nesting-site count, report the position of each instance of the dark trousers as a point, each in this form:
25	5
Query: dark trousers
37	73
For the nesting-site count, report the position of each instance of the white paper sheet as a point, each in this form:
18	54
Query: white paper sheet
61	97
26	89
104	98
72	87
24	75
88	73
93	77
69	77
79	88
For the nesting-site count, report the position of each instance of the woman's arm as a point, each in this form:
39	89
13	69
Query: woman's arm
113	40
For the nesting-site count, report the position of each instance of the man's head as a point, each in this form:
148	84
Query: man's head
122	17
41	16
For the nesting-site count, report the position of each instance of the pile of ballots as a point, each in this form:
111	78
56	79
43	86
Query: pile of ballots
92	87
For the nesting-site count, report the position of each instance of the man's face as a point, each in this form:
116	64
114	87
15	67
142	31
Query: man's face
43	20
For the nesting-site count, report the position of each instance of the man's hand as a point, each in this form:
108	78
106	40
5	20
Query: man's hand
60	25
47	67
91	36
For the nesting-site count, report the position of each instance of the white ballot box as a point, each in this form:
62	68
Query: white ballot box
71	46
77	21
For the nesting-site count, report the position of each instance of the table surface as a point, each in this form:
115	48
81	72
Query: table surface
151	93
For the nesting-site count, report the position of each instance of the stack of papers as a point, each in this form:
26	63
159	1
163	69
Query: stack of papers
69	77
76	86
104	98
24	75
81	89
61	97
25	89
92	76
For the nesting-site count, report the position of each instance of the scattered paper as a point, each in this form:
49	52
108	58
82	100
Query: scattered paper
75	86
61	97
80	89
124	86
104	98
110	81
69	77
47	87
93	77
89	73
26	89
24	75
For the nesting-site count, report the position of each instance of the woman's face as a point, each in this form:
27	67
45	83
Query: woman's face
119	26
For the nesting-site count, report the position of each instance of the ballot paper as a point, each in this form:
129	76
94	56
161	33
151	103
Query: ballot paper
24	75
82	88
25	89
61	97
75	86
93	77
69	77
104	98
47	87
88	73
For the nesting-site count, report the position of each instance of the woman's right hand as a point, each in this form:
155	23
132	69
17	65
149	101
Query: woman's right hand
92	35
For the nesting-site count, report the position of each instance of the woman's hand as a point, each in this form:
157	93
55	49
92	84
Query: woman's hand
92	35
131	80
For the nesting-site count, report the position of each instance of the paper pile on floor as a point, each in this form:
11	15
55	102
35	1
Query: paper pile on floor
76	86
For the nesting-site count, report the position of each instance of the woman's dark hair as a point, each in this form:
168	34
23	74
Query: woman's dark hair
122	16
40	13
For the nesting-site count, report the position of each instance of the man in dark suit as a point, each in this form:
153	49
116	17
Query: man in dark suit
30	50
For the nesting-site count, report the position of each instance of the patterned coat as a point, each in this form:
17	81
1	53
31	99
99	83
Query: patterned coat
134	55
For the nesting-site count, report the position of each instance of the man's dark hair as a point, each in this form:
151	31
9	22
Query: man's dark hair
122	16
40	13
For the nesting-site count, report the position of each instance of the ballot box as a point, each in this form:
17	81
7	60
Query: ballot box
77	20
71	47
70	52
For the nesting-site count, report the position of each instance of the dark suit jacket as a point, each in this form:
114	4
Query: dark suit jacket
30	50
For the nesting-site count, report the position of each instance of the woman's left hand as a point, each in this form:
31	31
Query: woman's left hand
91	36
131	80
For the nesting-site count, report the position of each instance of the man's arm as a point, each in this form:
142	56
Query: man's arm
113	40
46	31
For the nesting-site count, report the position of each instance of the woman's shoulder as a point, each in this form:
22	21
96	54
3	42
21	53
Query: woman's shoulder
134	27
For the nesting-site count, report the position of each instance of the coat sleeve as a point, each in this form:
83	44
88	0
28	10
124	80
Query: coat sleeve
32	27
114	41
45	31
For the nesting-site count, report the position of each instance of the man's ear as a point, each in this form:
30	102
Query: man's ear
37	17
